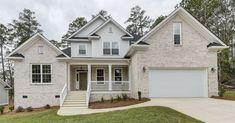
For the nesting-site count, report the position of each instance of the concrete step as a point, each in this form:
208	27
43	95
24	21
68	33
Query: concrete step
74	100
74	105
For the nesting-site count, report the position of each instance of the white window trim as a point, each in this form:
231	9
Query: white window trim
97	82
111	47
181	41
40	49
85	49
121	76
40	74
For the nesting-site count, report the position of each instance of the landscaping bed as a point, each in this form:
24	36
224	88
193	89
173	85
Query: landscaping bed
116	103
227	95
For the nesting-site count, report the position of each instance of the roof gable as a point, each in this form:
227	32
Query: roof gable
192	21
87	25
6	86
128	35
15	55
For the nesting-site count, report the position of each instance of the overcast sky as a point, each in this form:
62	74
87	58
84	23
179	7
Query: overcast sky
55	15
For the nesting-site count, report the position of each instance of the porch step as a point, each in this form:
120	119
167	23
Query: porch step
75	99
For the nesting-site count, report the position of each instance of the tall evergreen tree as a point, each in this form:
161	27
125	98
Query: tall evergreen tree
157	21
138	22
3	39
103	13
23	28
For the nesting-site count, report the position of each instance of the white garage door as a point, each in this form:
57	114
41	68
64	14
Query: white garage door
178	83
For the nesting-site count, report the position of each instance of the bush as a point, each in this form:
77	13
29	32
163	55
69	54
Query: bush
221	91
124	97
102	99
11	108
29	109
111	100
20	109
1	109
47	106
139	95
119	98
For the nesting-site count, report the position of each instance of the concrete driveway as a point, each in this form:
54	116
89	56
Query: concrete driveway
204	109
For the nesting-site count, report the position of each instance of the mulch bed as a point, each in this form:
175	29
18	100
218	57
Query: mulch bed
224	98
35	110
116	103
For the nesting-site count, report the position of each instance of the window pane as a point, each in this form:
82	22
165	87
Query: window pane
118	74
114	45
106	45
177	39
106	51
177	27
46	78
100	78
82	49
115	51
36	78
100	74
46	68
36	69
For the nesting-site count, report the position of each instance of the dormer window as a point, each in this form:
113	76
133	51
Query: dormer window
40	49
82	49
177	33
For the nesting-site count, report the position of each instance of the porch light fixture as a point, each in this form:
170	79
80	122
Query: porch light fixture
213	70
144	69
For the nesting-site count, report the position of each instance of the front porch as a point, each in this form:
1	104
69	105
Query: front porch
97	78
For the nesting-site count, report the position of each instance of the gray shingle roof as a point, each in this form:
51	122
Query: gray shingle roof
66	51
17	55
214	44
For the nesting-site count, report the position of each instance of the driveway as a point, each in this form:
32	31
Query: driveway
205	109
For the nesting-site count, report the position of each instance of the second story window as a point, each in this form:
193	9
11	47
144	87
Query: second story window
82	49
110	48
177	33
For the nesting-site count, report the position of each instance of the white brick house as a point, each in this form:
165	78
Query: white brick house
178	58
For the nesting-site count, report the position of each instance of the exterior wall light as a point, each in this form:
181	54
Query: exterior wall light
213	70
144	69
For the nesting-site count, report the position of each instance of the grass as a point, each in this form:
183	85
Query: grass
229	94
155	114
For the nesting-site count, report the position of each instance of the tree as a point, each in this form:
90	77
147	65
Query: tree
3	39
102	13
138	22
157	21
23	28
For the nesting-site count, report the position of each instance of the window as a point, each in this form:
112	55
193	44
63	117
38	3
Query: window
177	33
115	50
82	49
41	73
118	75
40	49
100	75
107	50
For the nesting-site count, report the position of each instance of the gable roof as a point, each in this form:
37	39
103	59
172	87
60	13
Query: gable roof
6	86
197	25
66	51
86	25
14	54
115	23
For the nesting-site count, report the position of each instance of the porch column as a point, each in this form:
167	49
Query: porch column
89	74
110	77
68	77
129	75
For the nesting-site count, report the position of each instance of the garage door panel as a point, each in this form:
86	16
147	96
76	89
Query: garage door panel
177	83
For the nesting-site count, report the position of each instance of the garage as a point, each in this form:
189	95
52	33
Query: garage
178	83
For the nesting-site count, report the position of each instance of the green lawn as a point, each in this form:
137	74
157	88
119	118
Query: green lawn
154	114
229	94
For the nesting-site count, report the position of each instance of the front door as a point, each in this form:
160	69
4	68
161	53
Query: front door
83	81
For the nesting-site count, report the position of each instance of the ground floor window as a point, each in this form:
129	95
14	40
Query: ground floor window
100	75
118	75
41	73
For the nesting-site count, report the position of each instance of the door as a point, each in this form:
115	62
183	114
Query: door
77	87
178	83
83	81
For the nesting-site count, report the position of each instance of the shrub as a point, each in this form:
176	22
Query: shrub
29	109
20	109
11	108
139	95
102	99
119	98
221	91
124	97
47	106
111	100
1	109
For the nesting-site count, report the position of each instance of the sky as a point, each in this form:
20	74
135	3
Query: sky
55	15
